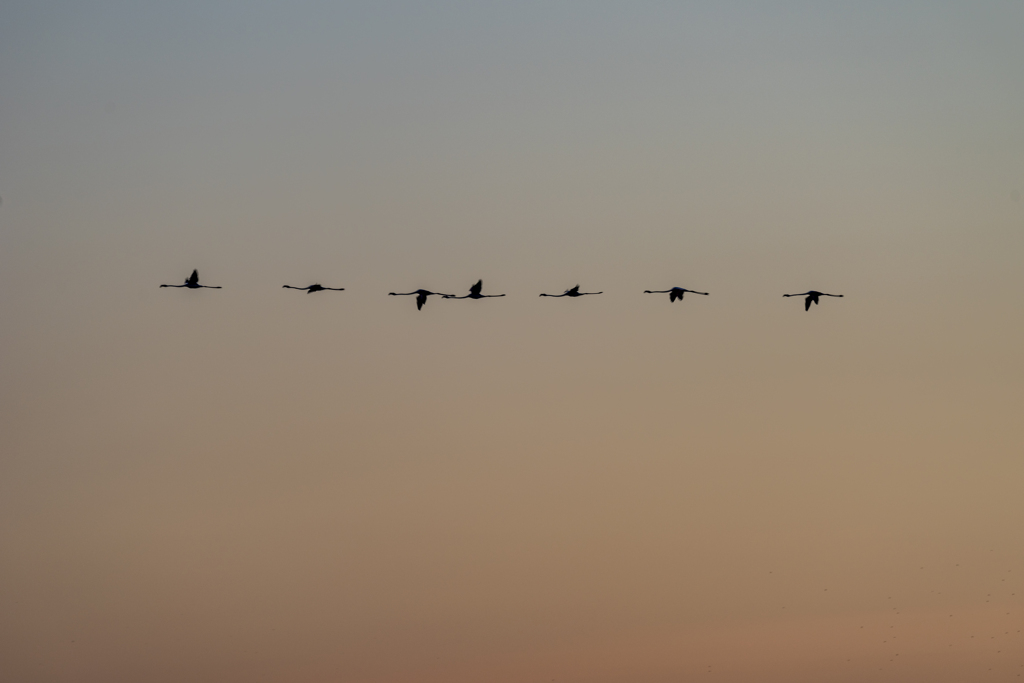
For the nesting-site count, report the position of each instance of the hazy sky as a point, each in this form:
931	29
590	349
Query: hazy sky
253	484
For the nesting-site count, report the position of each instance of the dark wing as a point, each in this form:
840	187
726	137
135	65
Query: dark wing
574	290
475	289
193	279
807	303
420	300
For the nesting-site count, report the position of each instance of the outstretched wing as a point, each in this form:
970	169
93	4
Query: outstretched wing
420	300
475	289
807	303
193	279
574	290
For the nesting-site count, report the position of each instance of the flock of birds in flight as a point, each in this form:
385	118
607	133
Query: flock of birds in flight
674	294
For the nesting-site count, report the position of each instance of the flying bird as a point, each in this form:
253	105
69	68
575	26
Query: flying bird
193	282
674	293
812	297
315	288
421	296
474	293
574	292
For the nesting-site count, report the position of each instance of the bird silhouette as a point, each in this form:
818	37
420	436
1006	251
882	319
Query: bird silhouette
315	288
193	282
674	293
812	297
421	296
574	292
474	293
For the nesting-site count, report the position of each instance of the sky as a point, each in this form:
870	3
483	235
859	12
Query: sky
255	484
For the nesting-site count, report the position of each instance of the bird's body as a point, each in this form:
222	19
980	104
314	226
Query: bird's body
574	292
674	293
193	282
474	293
421	296
812	297
315	288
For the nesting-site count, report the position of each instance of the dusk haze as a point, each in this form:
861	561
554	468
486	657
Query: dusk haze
775	434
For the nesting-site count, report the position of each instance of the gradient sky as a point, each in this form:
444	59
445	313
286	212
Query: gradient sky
255	484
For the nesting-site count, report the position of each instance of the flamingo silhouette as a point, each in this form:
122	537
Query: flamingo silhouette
421	296
574	292
812	297
674	293
193	282
315	288
474	293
